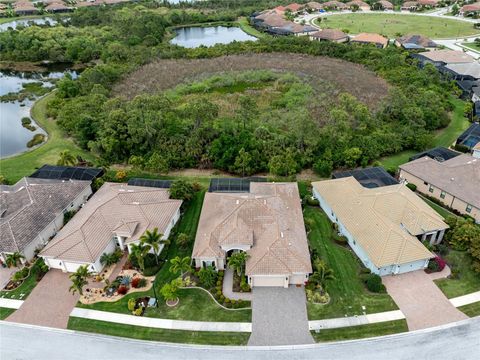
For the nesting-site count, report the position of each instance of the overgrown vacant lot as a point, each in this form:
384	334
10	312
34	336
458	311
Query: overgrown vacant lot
391	25
322	73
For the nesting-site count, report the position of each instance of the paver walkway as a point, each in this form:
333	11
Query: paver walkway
227	288
49	304
422	302
279	317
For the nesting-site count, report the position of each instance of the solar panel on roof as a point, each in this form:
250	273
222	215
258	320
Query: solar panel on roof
368	177
439	153
157	183
470	136
233	184
67	173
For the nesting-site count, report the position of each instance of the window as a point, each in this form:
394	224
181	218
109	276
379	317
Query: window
442	195
430	189
425	183
469	209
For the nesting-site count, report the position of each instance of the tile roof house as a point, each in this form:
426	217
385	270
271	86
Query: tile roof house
57	7
410	5
116	216
464	71
358	4
334	5
334	35
386	5
469	9
415	42
24	8
313	5
367	38
274	23
455	182
32	210
384	226
428	3
445	57
267	223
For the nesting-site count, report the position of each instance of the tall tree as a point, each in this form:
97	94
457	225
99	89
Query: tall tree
153	239
13	259
79	279
66	158
140	251
179	265
237	262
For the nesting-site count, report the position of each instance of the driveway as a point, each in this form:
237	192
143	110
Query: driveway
49	304
422	302
279	317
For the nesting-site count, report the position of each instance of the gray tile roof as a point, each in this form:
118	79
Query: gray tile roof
27	207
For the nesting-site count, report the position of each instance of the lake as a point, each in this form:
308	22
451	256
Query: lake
192	37
26	22
13	136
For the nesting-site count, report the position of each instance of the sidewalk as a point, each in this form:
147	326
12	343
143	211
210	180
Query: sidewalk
227	288
10	303
466	299
356	320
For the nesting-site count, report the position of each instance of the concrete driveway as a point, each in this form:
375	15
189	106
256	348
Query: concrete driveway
422	302
49	304
279	317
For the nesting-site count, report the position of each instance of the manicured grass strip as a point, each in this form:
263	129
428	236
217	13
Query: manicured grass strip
145	333
472	45
444	137
16	167
5	312
468	280
362	331
27	286
392	24
442	211
348	293
471	310
250	30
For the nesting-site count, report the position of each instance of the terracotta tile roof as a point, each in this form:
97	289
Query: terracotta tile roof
269	218
386	4
56	6
358	3
115	209
330	34
420	40
30	205
384	221
471	7
448	56
459	176
314	5
334	4
371	38
294	7
409	4
428	2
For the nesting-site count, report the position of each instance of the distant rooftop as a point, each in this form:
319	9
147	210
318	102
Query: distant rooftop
372	177
439	153
67	173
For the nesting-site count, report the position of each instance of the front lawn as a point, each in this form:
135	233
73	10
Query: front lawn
471	310
392	24
348	293
27	286
468	281
5	312
146	333
362	331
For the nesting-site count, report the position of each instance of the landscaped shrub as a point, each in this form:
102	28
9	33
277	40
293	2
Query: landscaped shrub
138	311
122	290
125	280
436	264
311	201
142	282
207	276
374	283
150	271
412	187
365	270
135	282
131	304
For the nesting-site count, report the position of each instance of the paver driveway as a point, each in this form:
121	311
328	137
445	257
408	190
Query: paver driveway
422	302
49	304
279	317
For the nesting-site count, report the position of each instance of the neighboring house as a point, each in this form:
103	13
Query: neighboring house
439	154
470	9
334	5
267	223
67	173
415	42
274	23
466	86
313	5
470	137
386	5
384	226
368	38
476	151
475	93
455	182
334	35
294	8
32	210
24	8
357	4
371	177
115	217
464	71
443	57
57	7
410	6
428	3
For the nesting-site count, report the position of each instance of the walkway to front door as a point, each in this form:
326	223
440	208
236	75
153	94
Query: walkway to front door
279	317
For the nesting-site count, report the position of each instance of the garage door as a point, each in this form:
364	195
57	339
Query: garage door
268	281
54	264
72	267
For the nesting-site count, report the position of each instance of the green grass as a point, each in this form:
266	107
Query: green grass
444	137
250	30
362	331
194	304
5	312
468	280
348	293
391	24
145	333
27	286
472	45
471	310
16	167
439	209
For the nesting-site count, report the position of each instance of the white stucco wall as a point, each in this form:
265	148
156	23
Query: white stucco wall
268	281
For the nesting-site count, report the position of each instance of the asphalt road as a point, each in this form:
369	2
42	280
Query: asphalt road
24	342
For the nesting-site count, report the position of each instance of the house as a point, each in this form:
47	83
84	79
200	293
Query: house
475	92
439	154
464	71
313	5
466	86
57	7
428	3
371	177
32	211
294	8
357	4
24	8
375	39
443	57
67	173
454	182
476	151
334	35
115	217
385	226
334	5
470	137
266	223
274	23
409	6
385	5
415	42
470	9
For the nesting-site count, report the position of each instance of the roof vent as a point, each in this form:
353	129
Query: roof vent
237	202
281	234
452	179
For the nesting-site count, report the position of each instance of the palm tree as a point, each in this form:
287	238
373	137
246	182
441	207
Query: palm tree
13	259
179	265
108	259
237	261
66	158
140	251
322	273
79	279
153	239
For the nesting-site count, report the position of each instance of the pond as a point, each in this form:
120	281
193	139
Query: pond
26	22
13	135
192	37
